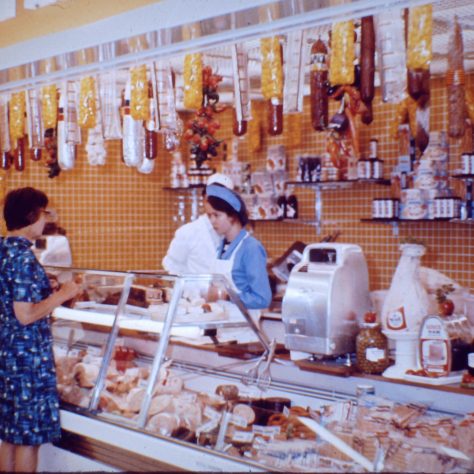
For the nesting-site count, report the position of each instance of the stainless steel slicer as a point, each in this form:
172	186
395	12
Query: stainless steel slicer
327	295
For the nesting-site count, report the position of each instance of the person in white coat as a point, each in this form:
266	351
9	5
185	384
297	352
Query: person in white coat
195	244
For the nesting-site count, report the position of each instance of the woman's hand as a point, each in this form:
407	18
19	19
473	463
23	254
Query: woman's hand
68	290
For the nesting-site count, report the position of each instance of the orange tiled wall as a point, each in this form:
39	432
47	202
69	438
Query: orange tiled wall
117	218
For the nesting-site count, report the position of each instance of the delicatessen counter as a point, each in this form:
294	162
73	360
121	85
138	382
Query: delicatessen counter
155	373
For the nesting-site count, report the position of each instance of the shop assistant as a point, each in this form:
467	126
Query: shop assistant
29	405
240	256
195	244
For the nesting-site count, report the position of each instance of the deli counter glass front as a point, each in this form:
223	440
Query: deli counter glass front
141	355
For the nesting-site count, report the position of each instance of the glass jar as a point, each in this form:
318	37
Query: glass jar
371	349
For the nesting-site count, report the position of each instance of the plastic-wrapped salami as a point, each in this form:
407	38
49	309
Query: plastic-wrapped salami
151	137
139	103
272	82
4	134
133	135
341	65
241	89
419	52
87	103
110	102
17	108
34	122
165	96
66	153
49	106
455	82
192	74
95	147
391	52
146	166
318	86
73	131
295	59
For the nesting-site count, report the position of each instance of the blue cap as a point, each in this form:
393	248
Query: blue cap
225	194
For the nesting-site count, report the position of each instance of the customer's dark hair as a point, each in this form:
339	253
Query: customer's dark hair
223	206
23	206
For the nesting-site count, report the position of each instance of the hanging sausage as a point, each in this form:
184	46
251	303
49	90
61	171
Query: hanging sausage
319	86
455	82
419	52
367	66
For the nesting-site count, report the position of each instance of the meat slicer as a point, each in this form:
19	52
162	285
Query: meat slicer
326	297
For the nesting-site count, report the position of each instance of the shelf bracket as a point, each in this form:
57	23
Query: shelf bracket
395	228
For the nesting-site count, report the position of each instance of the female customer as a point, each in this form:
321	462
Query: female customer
29	408
241	257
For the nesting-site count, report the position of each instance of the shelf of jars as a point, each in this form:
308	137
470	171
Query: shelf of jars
463	176
394	222
337	184
318	187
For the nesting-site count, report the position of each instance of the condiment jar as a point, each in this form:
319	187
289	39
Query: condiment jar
371	346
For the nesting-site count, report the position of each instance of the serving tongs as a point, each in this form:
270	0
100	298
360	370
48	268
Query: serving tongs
261	378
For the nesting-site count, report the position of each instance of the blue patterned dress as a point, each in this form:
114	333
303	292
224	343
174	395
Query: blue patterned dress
29	407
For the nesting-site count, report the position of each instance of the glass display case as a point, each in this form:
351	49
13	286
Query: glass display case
117	367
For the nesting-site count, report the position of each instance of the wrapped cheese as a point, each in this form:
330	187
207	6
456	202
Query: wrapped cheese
17	115
192	74
255	126
391	52
341	65
272	70
49	106
139	103
420	33
87	103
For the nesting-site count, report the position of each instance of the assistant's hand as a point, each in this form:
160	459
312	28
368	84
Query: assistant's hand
68	291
